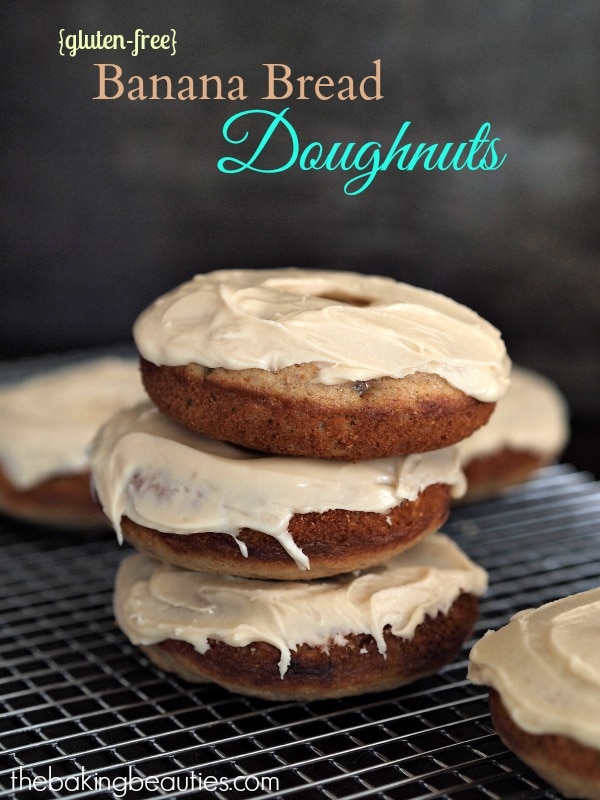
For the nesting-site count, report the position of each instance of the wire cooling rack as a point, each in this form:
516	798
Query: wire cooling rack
83	713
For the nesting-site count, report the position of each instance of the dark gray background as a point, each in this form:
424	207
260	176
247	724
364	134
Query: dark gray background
107	204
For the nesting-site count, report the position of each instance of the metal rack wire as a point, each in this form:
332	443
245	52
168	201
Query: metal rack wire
83	711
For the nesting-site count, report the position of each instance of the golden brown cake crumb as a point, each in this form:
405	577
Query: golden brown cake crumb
288	413
63	501
334	541
571	767
356	667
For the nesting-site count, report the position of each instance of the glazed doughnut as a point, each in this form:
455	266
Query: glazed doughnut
46	425
365	632
528	430
320	363
543	673
208	505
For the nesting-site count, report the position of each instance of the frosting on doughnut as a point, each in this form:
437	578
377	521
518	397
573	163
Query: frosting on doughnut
354	327
154	601
545	664
157	473
48	421
532	416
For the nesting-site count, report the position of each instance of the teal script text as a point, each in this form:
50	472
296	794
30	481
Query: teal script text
273	131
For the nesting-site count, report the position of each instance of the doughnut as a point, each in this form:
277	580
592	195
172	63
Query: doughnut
207	505
362	632
528	430
46	424
542	670
321	364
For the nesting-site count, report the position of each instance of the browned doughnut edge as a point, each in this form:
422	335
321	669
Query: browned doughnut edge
487	475
62	501
288	413
571	767
335	541
335	671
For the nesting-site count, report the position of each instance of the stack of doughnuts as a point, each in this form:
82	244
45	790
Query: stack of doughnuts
285	482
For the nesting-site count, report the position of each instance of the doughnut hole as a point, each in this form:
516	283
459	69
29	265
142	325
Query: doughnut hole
347	298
